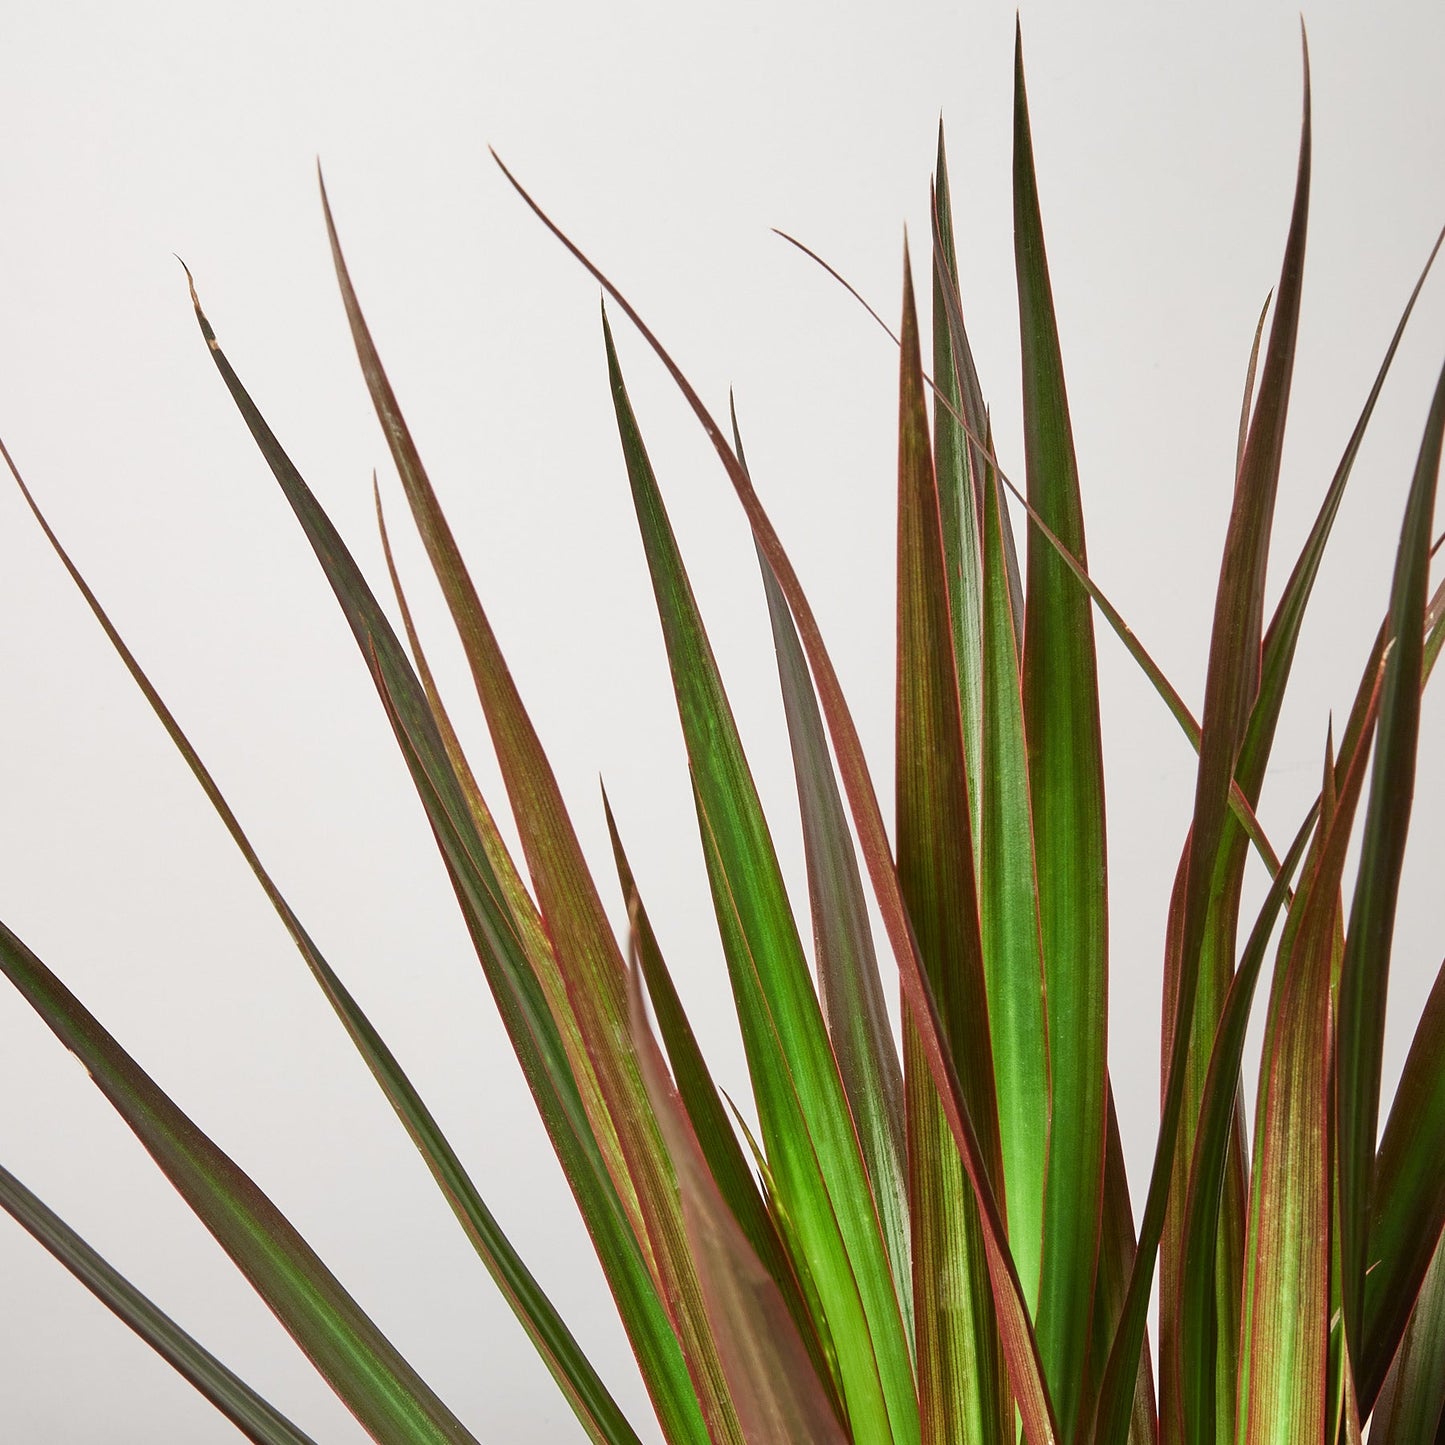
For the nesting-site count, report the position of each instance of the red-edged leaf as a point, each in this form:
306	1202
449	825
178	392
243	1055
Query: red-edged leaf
1231	684
370	1377
1025	1372
770	1376
1284	1345
512	975
1409	1202
1365	972
962	1390
574	1374
1411	1407
849	986
1066	784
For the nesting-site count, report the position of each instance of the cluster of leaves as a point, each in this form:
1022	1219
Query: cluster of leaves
937	1246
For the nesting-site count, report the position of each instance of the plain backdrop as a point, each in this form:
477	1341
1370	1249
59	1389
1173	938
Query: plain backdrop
669	139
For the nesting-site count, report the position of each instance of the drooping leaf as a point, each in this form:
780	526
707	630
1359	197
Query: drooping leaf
571	1369
1066	779
256	1419
1025	1372
366	1371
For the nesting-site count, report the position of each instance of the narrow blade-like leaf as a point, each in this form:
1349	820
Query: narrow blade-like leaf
232	1396
961	1386
585	950
574	1374
808	1131
1284	1341
1066	778
1025	1371
1411	1408
777	1395
705	1111
1409	1197
1231	684
523	995
1365	972
849	987
371	1378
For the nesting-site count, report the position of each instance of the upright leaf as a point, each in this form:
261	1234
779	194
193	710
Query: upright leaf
808	1131
1365	973
962	1389
1284	1365
1031	1393
586	952
1411	1408
849	987
1409	1197
770	1376
1231	684
959	476
1066	778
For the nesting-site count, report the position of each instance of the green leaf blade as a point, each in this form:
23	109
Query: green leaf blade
849	986
374	1382
808	1131
1365	971
1065	757
962	1391
1409	1202
257	1420
523	992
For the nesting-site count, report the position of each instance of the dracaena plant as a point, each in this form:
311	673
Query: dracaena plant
931	1242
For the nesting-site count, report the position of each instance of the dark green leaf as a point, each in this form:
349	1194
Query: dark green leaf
232	1396
374	1382
1409	1202
574	1374
1066	777
1365	972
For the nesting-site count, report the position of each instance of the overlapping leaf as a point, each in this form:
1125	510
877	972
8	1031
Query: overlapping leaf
962	1391
812	1148
254	1417
519	982
367	1373
589	1397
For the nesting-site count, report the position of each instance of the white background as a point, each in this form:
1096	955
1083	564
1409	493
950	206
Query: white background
668	139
